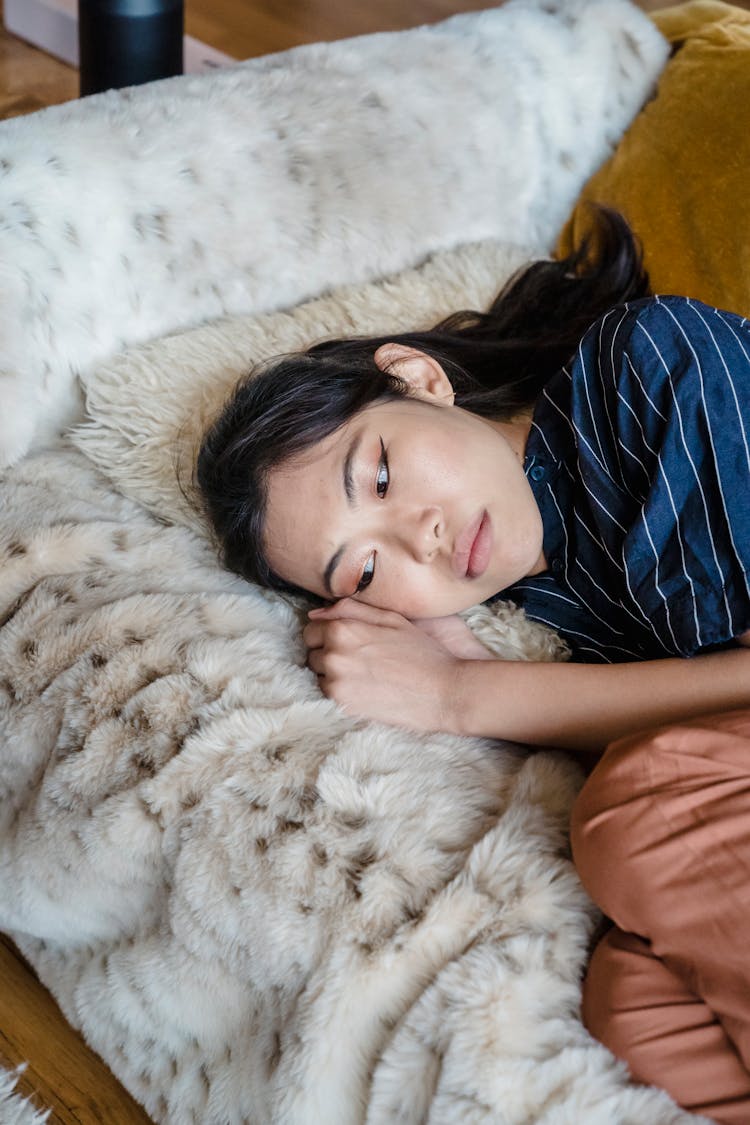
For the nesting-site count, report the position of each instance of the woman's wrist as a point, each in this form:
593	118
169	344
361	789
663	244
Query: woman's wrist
463	691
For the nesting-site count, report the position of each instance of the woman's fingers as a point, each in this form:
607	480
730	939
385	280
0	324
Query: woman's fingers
328	633
313	633
343	632
316	661
338	628
358	611
336	643
325	633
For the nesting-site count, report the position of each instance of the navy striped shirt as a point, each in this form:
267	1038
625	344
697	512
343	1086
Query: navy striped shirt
639	459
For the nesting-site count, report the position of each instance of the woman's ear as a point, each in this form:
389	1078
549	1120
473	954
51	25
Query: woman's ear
423	375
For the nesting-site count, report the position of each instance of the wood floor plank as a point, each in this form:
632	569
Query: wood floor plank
63	1073
31	79
246	28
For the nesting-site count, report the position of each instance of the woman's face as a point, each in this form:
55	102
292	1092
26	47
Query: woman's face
413	505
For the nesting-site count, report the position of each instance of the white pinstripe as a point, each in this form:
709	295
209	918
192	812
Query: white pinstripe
645	393
612	430
602	458
656	581
644	441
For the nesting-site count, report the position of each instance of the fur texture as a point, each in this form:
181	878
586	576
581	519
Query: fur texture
136	213
14	1108
255	908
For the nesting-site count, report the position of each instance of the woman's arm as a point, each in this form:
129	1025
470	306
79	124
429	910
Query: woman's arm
381	666
585	706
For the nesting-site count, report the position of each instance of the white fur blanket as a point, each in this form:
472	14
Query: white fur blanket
136	213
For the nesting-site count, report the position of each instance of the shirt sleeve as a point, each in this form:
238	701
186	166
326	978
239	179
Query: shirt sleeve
671	452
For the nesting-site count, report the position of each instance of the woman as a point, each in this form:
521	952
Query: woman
589	459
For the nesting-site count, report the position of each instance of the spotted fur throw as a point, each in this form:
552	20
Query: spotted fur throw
254	908
132	214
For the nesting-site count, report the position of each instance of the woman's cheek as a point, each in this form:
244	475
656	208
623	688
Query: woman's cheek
402	597
424	599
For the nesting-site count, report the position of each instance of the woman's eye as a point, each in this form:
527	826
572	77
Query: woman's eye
367	574
382	479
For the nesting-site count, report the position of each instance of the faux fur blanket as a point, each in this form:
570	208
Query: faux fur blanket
254	908
136	213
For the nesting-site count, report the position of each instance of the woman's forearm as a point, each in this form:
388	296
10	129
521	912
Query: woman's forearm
585	706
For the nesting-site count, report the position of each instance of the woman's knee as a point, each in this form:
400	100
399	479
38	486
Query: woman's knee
645	1014
647	795
607	1000
613	819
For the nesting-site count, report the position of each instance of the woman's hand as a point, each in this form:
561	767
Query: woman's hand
379	665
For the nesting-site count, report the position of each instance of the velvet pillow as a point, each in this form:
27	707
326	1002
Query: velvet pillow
681	172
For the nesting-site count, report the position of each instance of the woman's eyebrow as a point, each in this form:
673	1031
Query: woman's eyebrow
333	562
348	461
350	491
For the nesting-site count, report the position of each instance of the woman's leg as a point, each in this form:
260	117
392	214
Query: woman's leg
645	1014
661	838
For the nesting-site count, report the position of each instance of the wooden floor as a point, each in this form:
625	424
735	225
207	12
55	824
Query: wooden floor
63	1074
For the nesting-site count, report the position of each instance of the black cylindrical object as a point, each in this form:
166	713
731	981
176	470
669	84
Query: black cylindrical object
127	42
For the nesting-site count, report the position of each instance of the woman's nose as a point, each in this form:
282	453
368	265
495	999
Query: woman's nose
426	533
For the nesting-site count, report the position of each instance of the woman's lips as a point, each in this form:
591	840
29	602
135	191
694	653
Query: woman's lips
479	556
473	548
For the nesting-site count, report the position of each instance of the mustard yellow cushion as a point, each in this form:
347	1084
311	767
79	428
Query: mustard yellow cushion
681	174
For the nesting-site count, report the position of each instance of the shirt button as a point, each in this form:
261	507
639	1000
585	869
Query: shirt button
537	472
557	565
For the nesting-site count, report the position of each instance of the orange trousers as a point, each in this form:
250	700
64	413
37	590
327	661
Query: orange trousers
661	838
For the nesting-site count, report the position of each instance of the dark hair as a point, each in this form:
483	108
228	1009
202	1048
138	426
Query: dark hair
497	361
